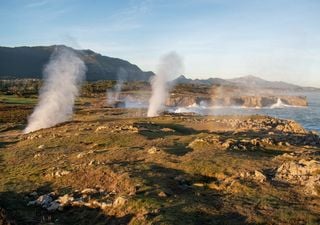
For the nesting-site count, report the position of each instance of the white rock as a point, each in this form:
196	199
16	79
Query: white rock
259	176
153	150
65	200
101	128
38	155
80	155
61	173
120	201
105	205
43	200
89	191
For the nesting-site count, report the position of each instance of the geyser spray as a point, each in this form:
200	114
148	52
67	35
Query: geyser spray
170	66
63	76
114	93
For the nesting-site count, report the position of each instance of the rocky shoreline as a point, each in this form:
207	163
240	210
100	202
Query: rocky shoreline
177	100
187	99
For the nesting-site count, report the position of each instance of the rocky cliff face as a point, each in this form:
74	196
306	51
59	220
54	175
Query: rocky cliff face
177	100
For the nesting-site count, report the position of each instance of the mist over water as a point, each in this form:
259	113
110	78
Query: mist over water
63	76
170	66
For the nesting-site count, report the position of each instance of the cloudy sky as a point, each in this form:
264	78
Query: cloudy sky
273	39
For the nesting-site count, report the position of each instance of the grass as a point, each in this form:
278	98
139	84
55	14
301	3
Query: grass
200	184
12	99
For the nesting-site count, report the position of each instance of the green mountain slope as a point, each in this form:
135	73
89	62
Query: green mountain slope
28	62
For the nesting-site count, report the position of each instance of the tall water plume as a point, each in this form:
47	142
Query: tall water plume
170	66
63	76
114	93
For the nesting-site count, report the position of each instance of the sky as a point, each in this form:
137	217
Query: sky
271	39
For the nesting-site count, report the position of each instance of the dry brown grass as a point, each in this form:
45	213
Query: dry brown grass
177	185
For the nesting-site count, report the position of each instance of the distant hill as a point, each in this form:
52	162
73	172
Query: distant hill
28	62
249	82
256	82
183	80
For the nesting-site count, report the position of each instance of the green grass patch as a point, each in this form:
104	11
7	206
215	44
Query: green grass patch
12	99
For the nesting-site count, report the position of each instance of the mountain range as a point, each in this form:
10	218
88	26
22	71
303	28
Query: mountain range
28	62
251	82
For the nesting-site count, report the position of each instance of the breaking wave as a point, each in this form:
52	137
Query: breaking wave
203	108
279	105
307	116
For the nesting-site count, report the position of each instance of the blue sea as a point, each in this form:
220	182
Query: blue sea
308	117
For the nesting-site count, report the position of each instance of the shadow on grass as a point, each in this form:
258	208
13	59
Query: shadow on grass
182	201
258	153
2	164
160	130
4	144
15	205
198	217
178	150
15	210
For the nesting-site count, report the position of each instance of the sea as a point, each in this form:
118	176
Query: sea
308	117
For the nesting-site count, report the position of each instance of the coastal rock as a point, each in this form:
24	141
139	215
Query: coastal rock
100	128
43	200
56	173
34	136
128	128
65	200
167	129
81	155
254	175
89	191
178	100
212	141
227	144
119	201
38	155
291	126
154	150
46	201
197	142
162	194
259	176
183	100
243	145
53	206
305	172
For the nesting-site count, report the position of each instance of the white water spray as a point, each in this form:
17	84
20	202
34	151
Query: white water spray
63	76
171	65
278	104
114	93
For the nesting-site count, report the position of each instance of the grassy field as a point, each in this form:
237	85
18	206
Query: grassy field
166	170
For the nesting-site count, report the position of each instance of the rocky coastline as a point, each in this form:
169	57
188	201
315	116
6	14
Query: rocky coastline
182	100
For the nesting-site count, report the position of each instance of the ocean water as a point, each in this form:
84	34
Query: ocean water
308	117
